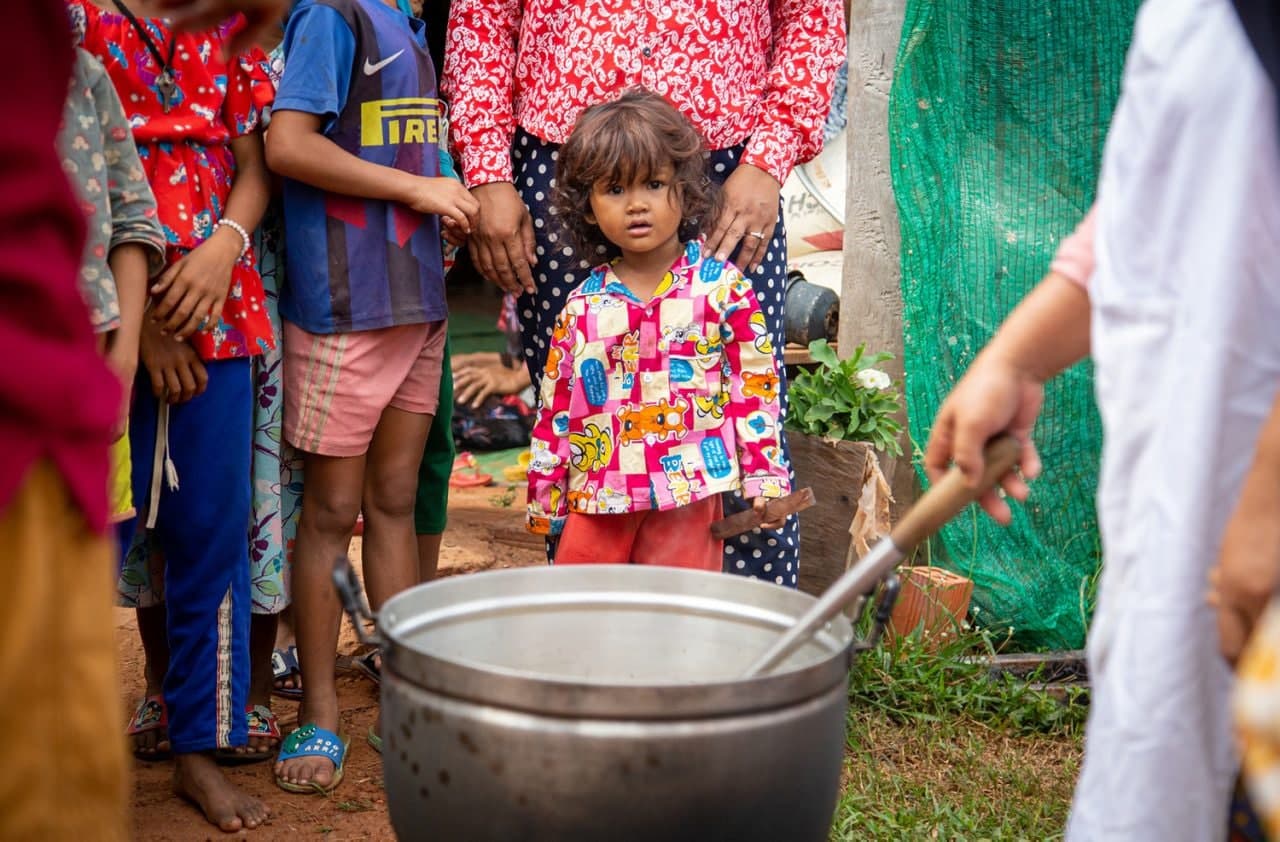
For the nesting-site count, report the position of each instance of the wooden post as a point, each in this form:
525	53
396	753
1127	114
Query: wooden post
871	292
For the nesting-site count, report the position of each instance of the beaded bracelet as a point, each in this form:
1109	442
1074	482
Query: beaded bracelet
239	229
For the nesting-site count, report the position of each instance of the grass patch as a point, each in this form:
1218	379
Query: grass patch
938	750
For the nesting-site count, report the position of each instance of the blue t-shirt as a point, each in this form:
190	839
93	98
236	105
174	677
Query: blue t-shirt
353	263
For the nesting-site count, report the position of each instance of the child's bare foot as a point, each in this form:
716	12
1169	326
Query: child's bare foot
198	779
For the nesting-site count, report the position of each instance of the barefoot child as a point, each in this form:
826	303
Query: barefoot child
194	119
355	133
659	392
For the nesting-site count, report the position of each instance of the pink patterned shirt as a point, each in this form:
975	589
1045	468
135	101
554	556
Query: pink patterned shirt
656	405
759	71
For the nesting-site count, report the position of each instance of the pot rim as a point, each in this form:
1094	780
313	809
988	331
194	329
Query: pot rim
711	594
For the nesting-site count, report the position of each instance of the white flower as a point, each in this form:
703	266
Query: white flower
872	378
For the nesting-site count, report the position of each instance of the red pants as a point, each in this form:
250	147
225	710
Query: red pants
675	538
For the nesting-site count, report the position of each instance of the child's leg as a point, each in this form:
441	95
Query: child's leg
681	537
598	539
391	485
201	528
390	549
336	388
430	510
330	505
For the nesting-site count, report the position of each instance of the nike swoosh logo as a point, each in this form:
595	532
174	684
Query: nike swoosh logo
370	68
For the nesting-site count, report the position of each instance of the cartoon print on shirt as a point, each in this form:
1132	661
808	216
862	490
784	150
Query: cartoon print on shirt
628	353
542	461
652	422
580	499
760	384
698	434
591	449
610	502
761	330
711	405
681	479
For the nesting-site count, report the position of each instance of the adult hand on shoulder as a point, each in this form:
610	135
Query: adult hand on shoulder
502	245
196	15
176	371
193	289
748	216
993	397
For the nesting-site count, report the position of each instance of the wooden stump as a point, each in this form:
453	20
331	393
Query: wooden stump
835	470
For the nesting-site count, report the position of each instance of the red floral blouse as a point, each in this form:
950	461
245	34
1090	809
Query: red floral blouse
759	71
186	151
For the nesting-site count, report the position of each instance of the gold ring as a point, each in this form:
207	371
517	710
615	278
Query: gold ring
759	235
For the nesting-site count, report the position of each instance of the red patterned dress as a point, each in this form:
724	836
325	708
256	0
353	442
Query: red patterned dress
186	151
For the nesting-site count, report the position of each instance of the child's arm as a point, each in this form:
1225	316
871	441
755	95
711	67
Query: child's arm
1248	570
129	263
137	240
1004	387
298	149
195	287
754	406
549	442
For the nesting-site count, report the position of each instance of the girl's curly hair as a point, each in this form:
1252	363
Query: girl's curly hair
622	141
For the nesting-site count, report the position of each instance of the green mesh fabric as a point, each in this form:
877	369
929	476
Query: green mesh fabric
997	117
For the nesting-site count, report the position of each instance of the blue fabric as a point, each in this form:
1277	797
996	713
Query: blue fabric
321	49
771	556
202	533
355	263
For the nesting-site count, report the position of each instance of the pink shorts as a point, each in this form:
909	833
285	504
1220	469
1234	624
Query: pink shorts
336	386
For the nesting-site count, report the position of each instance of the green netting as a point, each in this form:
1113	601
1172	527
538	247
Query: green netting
997	118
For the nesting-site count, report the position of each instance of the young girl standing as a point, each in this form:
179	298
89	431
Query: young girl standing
194	116
660	390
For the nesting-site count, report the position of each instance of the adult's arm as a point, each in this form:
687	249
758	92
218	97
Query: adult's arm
479	82
809	45
1248	570
1003	390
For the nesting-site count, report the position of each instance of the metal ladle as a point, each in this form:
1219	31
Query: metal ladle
943	501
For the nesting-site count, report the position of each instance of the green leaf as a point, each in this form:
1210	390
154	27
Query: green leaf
821	351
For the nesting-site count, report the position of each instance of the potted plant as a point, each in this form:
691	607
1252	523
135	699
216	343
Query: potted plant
843	417
842	414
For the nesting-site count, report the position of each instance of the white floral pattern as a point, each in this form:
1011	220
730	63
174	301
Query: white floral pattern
740	70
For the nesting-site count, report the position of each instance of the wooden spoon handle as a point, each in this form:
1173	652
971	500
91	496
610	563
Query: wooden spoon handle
949	495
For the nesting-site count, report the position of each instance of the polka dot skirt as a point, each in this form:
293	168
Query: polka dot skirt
772	556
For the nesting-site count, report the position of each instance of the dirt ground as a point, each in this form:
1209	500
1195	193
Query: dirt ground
483	534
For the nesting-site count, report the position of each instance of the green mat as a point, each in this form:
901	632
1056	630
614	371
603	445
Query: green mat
996	119
492	463
470	333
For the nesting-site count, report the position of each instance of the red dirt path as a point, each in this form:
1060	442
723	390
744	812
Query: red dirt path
482	535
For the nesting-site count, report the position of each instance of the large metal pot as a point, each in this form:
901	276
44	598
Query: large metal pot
606	702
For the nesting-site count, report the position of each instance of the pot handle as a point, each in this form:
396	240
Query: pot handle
351	595
884	610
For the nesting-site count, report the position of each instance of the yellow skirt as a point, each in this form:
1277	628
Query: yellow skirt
1256	707
120	482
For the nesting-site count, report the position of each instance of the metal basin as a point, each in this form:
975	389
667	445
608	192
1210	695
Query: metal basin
605	702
